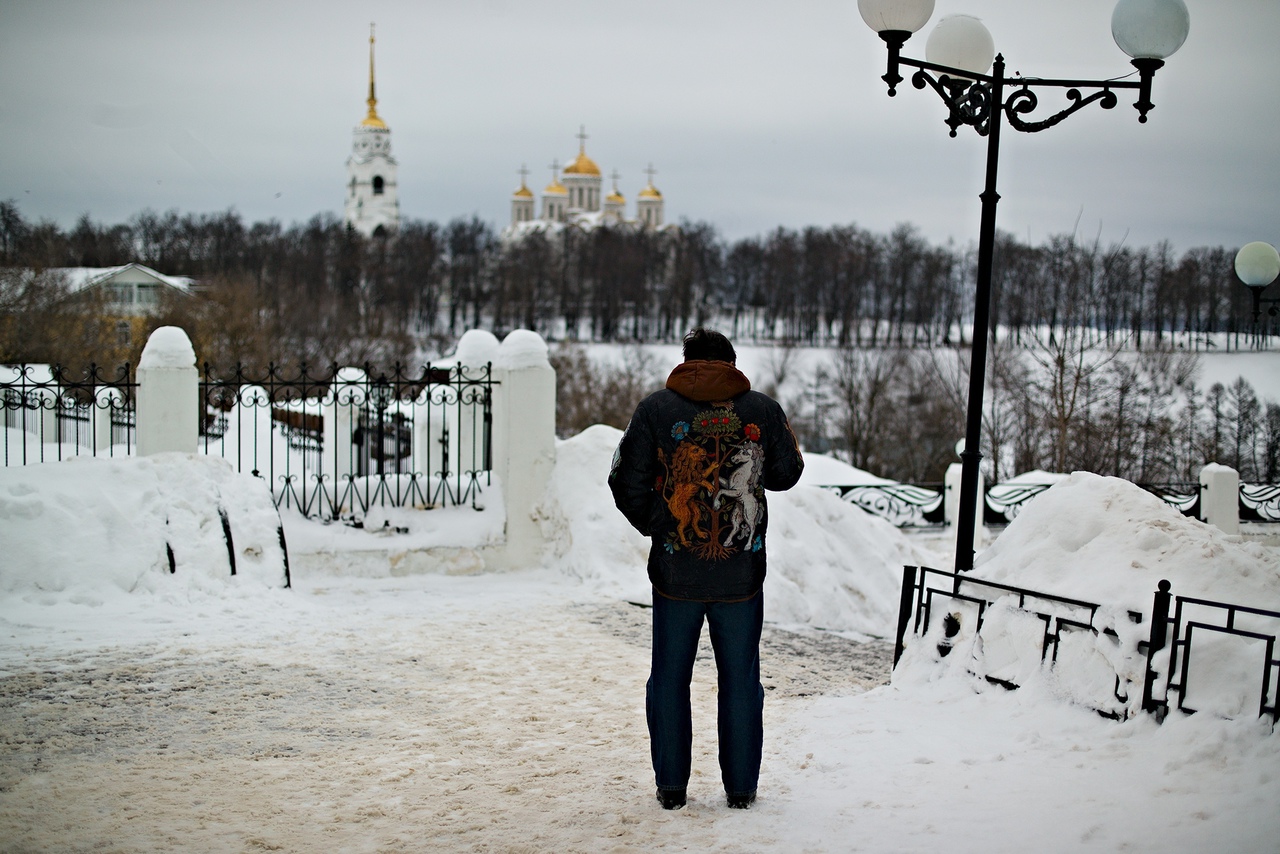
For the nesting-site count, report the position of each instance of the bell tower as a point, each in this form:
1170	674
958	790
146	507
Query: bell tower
372	205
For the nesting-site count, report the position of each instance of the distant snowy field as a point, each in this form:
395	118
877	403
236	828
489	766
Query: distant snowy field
761	363
143	710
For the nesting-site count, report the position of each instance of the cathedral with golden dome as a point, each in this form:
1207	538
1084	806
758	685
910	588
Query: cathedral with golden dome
574	197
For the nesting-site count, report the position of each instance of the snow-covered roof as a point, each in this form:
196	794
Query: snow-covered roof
81	278
582	220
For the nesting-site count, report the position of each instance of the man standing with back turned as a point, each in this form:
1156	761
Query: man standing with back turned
690	473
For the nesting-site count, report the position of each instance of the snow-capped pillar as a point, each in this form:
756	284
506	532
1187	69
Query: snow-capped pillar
524	437
453	419
168	406
341	412
106	401
951	502
1220	497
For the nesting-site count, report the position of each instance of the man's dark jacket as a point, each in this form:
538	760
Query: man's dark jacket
691	471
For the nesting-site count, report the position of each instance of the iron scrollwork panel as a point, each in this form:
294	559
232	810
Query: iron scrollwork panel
1260	502
1004	501
903	505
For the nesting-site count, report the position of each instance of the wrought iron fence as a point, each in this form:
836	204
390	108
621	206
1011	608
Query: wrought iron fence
1183	497
1200	655
1004	501
1260	502
906	505
51	414
1065	621
333	445
1234	639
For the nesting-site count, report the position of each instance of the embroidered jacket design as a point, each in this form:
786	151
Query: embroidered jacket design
711	484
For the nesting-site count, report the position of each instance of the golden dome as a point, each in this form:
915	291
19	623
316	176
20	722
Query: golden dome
556	188
650	192
523	193
615	198
372	120
583	165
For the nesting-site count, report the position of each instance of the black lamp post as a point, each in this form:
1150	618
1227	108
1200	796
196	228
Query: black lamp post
1258	265
959	52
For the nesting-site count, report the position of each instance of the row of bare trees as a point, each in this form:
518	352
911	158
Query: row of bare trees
1061	405
1082	373
1065	405
321	288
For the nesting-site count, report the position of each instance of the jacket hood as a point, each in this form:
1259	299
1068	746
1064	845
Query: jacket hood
705	380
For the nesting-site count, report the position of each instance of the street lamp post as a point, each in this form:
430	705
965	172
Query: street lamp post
1258	265
958	55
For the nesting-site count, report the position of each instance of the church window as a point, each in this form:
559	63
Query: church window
377	185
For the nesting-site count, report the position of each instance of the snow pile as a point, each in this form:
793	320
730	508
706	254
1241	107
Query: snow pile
476	347
402	540
168	347
88	528
821	470
1106	541
522	348
831	565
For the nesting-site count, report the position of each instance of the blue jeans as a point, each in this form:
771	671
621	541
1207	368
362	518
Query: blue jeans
735	637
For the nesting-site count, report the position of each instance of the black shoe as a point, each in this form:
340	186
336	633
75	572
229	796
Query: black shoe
671	799
741	802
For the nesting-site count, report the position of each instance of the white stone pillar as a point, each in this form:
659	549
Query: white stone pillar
342	409
48	426
476	348
524	440
168	414
951	503
1220	497
107	401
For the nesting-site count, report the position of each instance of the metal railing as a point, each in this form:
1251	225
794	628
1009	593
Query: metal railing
51	414
1063	618
1233	638
1004	501
921	505
1200	655
335	444
906	505
1260	502
332	445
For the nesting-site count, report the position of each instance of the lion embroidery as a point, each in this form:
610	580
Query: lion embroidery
688	475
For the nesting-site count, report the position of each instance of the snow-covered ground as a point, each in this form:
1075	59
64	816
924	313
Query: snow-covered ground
373	711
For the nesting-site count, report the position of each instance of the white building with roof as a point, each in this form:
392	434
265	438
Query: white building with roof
130	289
372	205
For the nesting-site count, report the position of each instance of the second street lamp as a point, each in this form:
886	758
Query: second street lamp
1148	30
1258	265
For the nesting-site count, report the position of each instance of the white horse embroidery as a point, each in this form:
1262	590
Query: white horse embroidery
740	489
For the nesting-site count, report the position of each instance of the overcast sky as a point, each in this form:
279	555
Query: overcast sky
755	114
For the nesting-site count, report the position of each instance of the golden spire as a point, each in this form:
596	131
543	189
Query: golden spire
372	120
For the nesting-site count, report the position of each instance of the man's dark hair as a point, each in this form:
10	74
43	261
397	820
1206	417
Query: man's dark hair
702	343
